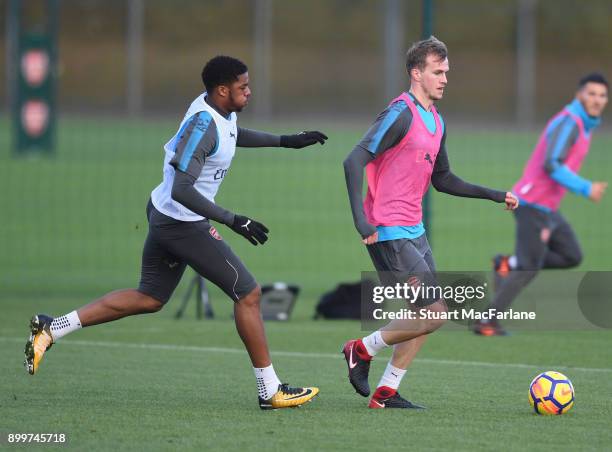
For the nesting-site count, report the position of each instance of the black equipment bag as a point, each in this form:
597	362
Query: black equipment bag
344	302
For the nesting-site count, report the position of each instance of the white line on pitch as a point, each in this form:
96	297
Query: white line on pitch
195	348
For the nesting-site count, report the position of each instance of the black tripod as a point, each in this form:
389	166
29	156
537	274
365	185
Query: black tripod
198	287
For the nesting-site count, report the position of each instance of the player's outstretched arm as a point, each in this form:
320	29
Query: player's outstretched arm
563	175
446	181
248	138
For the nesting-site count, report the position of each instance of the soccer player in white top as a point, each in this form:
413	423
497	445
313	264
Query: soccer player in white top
197	158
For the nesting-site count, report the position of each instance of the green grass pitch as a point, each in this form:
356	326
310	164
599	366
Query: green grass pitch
156	383
73	228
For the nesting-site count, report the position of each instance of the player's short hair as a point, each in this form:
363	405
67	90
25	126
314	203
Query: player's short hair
222	70
416	57
593	77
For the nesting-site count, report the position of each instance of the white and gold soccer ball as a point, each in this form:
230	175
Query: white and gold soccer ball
551	393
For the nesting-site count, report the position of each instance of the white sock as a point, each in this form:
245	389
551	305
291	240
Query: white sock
374	343
512	262
392	376
64	325
267	381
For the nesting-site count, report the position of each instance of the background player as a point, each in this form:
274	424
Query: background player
197	159
544	238
402	151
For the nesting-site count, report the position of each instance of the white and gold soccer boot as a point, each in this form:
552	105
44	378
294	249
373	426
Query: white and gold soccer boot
287	397
40	341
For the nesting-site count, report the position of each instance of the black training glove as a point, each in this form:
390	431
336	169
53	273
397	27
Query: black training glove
250	229
302	139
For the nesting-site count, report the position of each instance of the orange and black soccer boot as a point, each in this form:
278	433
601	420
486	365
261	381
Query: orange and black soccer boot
386	397
501	269
40	341
501	265
358	361
287	397
490	328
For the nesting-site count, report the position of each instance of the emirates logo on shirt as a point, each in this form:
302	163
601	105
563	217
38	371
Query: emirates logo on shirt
214	233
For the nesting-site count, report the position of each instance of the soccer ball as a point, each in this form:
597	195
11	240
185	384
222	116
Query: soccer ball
551	393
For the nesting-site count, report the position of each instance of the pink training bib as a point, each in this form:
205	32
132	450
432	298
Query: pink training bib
398	179
536	186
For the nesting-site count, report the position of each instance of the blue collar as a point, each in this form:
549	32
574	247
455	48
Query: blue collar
417	103
427	116
590	122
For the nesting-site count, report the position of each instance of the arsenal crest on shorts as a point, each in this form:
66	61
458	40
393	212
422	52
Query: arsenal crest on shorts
214	233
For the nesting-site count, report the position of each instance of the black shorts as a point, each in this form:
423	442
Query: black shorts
544	240
171	245
398	260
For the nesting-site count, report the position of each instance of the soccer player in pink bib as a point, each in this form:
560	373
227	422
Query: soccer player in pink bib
544	238
402	152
